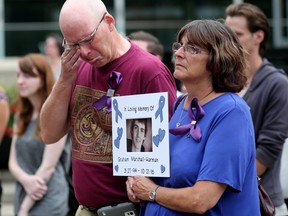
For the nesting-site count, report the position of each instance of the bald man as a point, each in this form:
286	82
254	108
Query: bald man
97	63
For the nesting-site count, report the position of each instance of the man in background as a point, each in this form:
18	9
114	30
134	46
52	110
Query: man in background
266	94
148	42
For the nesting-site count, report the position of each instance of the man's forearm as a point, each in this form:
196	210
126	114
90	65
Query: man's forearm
54	114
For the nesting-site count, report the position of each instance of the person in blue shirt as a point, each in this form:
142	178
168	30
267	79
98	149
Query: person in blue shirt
212	144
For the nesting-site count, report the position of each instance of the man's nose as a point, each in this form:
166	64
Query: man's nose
84	50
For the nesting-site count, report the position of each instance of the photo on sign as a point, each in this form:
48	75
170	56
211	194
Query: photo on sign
140	133
139	136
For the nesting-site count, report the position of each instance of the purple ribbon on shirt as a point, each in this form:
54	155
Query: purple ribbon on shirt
113	82
193	127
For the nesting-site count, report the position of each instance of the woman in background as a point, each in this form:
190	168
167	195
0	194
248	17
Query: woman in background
212	144
53	50
41	185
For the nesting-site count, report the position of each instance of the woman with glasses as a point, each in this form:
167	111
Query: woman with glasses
212	147
41	187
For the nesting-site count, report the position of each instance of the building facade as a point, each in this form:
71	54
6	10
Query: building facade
25	23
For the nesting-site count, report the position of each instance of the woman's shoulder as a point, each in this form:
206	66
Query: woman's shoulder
230	98
230	101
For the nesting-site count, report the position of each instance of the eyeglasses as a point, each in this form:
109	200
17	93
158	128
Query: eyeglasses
85	40
189	48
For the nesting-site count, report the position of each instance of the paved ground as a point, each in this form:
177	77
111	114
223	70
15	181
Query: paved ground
8	185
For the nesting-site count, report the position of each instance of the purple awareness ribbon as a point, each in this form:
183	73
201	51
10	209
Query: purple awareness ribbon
113	82
193	127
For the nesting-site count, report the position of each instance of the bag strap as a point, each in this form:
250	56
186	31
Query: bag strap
178	101
267	207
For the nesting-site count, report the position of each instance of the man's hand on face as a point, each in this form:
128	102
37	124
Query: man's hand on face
70	60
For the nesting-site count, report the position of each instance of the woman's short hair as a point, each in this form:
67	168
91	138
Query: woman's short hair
226	60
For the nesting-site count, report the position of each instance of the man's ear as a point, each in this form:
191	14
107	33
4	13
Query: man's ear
109	19
259	36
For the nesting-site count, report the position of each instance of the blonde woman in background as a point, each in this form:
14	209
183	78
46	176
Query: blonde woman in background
4	117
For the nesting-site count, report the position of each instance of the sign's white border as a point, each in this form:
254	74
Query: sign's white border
154	163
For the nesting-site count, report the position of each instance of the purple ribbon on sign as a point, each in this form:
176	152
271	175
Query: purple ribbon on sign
193	127
113	82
